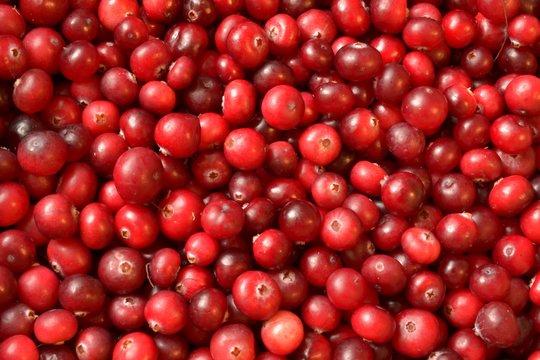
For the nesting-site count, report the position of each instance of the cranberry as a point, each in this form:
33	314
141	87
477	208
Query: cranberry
466	343
17	319
121	270
119	86
128	221
256	294
81	294
94	343
275	339
320	314
135	345
373	323
492	318
17	57
416	332
384	273
247	44
502	199
402	193
69	256
127	312
56	216
389	17
55	326
251	174
340	229
349	57
340	282
166	312
42	152
208	309
147	183
490	282
234	341
148	68
421	245
17	347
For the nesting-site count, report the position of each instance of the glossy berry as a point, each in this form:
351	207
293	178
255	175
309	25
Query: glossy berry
256	294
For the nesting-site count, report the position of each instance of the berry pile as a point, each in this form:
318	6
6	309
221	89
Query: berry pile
269	179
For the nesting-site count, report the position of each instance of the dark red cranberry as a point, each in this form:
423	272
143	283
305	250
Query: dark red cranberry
121	270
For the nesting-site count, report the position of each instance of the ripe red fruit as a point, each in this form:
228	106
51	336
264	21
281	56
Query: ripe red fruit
135	345
138	175
417	332
256	295
282	333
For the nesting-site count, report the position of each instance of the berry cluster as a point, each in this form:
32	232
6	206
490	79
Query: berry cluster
269	179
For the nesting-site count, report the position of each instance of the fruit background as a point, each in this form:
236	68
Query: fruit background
269	179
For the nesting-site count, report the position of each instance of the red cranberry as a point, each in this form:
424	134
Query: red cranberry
389	17
42	153
166	312
274	329
94	343
138	175
497	325
55	326
134	345
17	347
235	341
416	332
121	270
256	294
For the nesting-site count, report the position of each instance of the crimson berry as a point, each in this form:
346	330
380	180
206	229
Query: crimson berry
389	17
179	215
417	332
81	294
136	225
256	294
42	152
283	107
490	282
282	333
94	343
121	270
55	326
138	175
358	61
497	325
231	342
166	312
504	198
135	345
384	273
341	229
245	149
373	323
56	216
272	249
19	347
402	193
170	126
343	283
421	245
320	144
320	314
208	309
515	253
247	44
234	112
69	256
